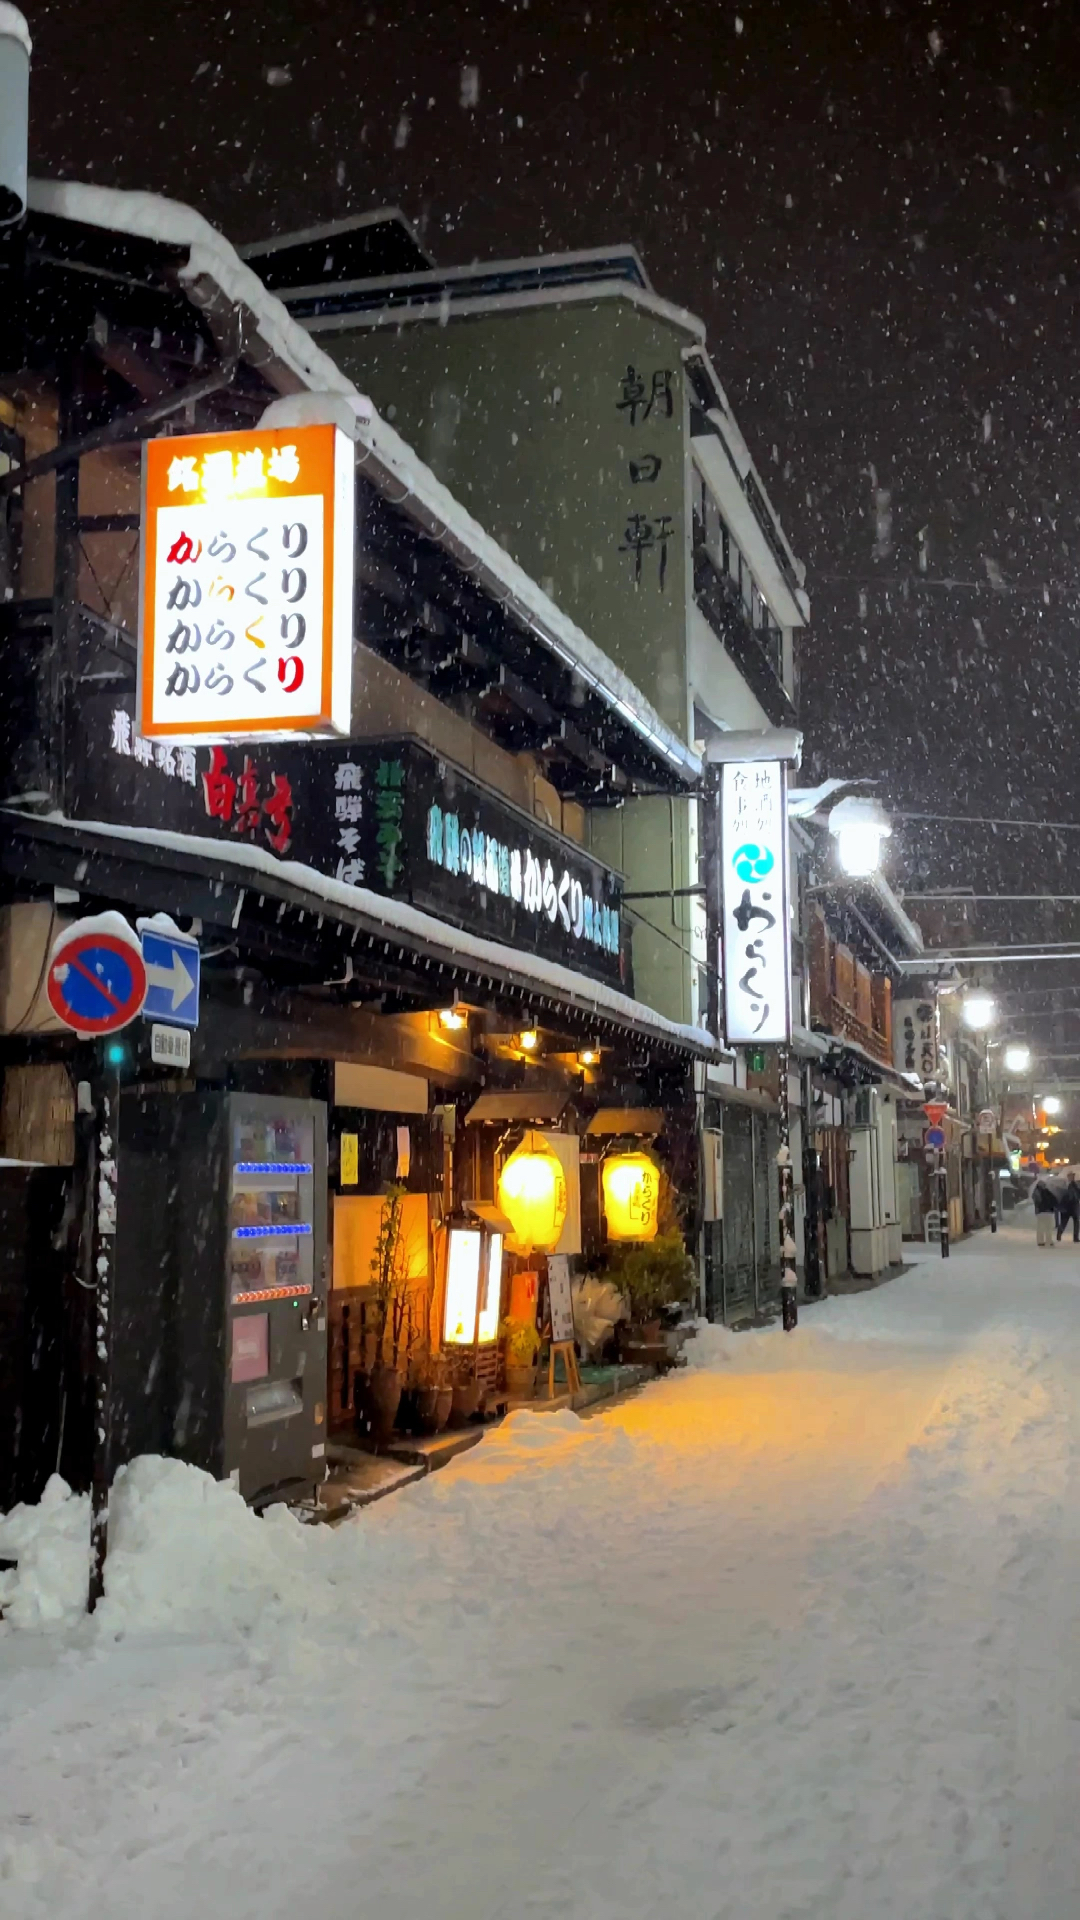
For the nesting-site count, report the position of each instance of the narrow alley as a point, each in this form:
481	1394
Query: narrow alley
793	1632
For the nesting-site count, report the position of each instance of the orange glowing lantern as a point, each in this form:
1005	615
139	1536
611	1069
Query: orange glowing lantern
631	1184
532	1194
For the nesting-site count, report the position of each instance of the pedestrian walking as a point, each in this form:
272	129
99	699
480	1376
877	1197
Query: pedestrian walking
1069	1207
1045	1202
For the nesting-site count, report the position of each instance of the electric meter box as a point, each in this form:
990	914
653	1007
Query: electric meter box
219	1354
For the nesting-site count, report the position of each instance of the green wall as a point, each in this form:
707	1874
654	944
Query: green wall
519	414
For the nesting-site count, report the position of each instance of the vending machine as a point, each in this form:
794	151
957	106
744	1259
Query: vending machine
219	1338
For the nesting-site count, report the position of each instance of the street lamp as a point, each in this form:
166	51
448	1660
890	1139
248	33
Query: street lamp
1051	1104
979	1011
1017	1059
859	826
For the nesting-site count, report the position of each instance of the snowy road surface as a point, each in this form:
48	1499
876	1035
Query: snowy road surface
796	1633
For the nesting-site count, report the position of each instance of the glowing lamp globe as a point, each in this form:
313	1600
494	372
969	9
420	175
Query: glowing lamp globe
631	1183
532	1194
859	827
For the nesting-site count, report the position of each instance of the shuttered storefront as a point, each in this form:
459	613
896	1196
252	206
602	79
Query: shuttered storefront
742	1249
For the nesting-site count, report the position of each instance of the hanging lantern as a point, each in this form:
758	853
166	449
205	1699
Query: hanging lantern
532	1194
631	1196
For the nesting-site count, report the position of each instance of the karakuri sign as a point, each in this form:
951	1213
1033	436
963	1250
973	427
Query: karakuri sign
246	597
754	869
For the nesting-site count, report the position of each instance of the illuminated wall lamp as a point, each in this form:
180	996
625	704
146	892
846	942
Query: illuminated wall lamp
589	1057
452	1019
529	1039
859	825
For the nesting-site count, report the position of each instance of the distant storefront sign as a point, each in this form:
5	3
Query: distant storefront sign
915	1038
246	599
390	816
754	867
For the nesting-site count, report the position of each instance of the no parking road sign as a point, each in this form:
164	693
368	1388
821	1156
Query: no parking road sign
97	979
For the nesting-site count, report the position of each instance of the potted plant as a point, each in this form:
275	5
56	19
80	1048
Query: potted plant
393	1321
521	1343
465	1397
433	1391
651	1277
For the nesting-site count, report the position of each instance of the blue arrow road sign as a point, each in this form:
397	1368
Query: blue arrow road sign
935	1136
172	977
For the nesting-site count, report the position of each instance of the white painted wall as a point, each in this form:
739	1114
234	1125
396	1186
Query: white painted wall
715	681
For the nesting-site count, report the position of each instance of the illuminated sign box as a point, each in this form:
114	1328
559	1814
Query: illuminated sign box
393	817
246	592
756	934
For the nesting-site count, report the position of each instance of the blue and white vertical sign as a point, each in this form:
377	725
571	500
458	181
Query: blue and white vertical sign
754	874
171	959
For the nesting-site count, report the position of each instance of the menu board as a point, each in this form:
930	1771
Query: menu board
560	1299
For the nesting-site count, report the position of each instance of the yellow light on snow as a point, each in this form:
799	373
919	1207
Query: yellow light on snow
631	1183
532	1194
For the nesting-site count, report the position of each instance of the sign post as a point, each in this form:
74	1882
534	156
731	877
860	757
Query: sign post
935	1111
106	1101
756	943
96	985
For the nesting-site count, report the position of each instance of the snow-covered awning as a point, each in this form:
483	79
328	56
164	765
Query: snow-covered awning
137	866
214	269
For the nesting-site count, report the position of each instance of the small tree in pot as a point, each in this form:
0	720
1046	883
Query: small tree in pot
393	1318
521	1344
652	1277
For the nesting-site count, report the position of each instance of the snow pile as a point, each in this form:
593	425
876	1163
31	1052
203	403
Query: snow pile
713	1347
50	1543
185	1551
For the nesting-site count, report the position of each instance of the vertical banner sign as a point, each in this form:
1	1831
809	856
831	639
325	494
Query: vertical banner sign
246	594
754	874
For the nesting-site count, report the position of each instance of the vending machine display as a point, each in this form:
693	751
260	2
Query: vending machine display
226	1193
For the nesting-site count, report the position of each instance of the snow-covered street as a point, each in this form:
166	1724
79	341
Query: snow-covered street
796	1632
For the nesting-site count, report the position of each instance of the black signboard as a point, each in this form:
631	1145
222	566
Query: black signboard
389	816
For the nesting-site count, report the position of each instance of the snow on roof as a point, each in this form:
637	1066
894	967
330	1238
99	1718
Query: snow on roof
210	255
456	947
13	26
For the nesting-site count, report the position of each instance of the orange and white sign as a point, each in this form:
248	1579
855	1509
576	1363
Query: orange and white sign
246	596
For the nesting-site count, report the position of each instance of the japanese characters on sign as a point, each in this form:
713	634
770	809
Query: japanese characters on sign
756	936
247	585
646	397
915	1047
519	874
388	816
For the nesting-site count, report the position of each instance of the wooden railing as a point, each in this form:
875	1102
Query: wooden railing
842	1020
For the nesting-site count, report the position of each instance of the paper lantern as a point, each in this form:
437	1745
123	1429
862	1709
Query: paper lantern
631	1196
532	1194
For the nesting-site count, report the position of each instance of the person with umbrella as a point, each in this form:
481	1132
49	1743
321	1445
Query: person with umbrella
1046	1202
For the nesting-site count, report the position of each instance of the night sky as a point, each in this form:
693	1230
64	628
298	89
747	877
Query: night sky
873	207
